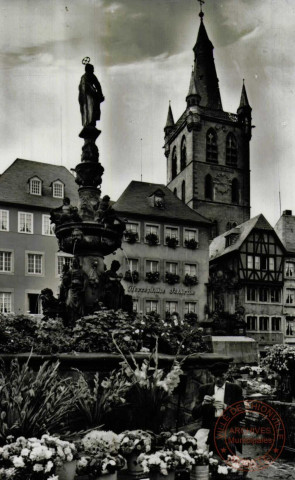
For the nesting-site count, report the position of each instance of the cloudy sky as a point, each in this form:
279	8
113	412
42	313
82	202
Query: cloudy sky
142	53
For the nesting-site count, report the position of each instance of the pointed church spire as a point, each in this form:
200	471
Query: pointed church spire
170	121
193	97
244	98
205	72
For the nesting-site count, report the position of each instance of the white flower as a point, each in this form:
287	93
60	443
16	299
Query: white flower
69	457
53	477
38	467
18	462
25	452
222	470
49	466
83	462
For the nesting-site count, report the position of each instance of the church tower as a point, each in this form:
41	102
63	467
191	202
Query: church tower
207	149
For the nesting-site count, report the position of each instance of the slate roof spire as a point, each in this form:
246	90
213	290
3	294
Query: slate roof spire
193	97
205	72
244	102
170	121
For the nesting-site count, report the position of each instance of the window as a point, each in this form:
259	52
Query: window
154	229
231	149
183	154
191	235
289	269
263	324
263	262
174	164
152	266
34	303
132	264
235	191
151	306
5	262
135	304
276	324
275	295
159	201
290	296
35	186
183	191
171	232
34	263
171	307
58	190
25	222
271	264
250	262
4	220
263	294
190	269
133	229
5	302
190	307
208	187
172	267
47	226
251	323
211	146
251	294
257	263
63	260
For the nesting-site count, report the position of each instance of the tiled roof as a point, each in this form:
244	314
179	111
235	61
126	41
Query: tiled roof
14	187
136	200
217	247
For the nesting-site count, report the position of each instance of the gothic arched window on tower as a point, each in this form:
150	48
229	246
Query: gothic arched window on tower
174	164
175	191
211	146
183	154
183	191
231	150
235	191
208	187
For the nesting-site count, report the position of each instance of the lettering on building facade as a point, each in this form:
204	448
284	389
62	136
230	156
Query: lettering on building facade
172	291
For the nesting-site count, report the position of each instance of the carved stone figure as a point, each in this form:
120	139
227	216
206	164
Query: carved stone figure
50	304
65	283
113	291
65	213
107	215
75	297
90	97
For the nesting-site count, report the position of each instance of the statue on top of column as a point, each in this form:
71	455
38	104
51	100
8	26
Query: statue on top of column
90	96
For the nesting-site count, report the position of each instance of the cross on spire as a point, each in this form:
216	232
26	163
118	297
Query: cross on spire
201	14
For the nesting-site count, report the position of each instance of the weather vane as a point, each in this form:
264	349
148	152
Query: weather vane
87	59
201	2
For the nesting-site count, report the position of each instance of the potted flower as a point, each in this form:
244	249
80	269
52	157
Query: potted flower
130	236
181	441
171	242
101	441
132	444
152	277
192	244
171	278
201	465
190	280
159	464
100	465
131	276
152	239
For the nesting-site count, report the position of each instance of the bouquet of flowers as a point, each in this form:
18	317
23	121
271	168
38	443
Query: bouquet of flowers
183	460
135	441
99	442
99	464
200	457
236	463
181	441
35	458
161	461
279	358
259	387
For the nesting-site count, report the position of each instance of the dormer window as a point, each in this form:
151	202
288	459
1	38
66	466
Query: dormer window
157	199
35	186
58	189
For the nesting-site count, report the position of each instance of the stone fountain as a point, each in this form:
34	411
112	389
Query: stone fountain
89	231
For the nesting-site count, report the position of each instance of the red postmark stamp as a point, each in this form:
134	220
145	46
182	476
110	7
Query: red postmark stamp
254	428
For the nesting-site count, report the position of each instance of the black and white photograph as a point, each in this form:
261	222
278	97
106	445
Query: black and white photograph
147	239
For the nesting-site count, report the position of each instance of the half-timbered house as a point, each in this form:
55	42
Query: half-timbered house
246	275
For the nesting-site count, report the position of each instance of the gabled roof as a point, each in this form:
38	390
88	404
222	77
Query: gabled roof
218	247
14	187
135	200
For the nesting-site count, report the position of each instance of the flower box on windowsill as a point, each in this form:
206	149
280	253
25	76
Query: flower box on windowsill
152	277
130	236
192	244
171	278
131	276
171	242
152	239
190	280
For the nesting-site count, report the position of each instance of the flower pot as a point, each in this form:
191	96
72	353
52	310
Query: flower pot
159	476
134	468
200	472
67	471
107	476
